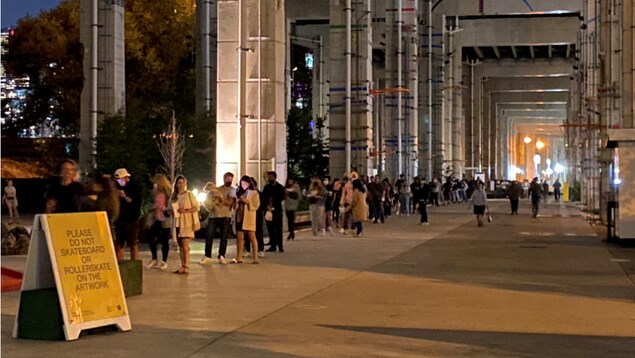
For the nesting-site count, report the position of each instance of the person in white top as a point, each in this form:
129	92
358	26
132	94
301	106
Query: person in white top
10	199
185	212
479	202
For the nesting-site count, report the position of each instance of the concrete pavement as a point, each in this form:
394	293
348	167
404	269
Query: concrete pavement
515	288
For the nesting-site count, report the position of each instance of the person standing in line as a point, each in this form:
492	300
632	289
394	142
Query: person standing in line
291	202
556	190
415	191
160	228
343	224
337	198
65	195
317	199
127	225
347	198
247	206
535	189
513	193
328	204
358	208
404	197
185	212
525	188
376	196
273	195
423	202
10	200
388	195
434	192
479	202
219	202
260	218
102	196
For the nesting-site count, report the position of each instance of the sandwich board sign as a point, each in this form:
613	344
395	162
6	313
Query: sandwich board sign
73	254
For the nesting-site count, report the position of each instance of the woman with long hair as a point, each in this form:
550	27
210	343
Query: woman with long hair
317	199
160	228
248	204
185	208
359	209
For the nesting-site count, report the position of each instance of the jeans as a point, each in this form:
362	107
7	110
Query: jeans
275	230
405	204
214	225
159	235
291	223
317	218
358	226
535	204
377	207
514	204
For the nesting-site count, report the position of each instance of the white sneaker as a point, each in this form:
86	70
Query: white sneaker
261	254
153	264
205	260
247	254
222	261
346	232
342	231
163	265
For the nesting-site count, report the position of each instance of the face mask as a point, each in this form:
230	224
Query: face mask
272	181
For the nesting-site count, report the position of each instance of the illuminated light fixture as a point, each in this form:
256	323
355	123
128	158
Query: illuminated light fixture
540	145
549	171
559	168
527	140
548	161
617	181
537	159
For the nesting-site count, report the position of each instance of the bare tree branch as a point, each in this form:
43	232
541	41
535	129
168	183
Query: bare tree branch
171	146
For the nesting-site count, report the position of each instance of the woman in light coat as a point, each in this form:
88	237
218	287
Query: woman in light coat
359	208
248	204
185	209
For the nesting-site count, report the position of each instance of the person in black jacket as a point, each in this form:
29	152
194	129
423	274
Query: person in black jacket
127	224
273	194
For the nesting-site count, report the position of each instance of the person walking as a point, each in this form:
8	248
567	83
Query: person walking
328	204
273	194
358	208
423	202
291	203
376	197
545	191
556	190
245	220
404	197
10	200
535	190
345	203
479	203
185	211
161	223
513	193
387	198
317	199
65	195
434	192
219	204
127	225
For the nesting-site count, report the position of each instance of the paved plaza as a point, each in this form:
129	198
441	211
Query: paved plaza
516	288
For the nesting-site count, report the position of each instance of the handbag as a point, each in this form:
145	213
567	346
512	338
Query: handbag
196	222
268	215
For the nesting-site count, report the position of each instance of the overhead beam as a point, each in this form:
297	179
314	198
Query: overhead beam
497	52
514	52
531	51
479	53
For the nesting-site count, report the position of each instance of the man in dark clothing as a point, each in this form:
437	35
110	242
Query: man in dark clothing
376	194
127	224
513	193
536	189
415	189
556	190
65	195
273	194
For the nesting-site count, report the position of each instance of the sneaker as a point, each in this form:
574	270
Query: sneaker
261	254
342	231
247	254
222	261
163	265
426	223
153	264
206	260
346	232
361	234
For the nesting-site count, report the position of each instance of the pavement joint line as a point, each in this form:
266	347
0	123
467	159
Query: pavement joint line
290	304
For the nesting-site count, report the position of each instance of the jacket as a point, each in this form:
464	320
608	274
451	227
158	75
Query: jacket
251	207
359	209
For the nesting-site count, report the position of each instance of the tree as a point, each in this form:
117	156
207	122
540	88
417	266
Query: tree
47	49
306	151
171	145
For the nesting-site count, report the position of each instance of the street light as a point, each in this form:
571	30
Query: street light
527	140
537	162
540	145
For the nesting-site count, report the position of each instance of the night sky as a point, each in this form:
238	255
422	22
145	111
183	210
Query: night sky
12	10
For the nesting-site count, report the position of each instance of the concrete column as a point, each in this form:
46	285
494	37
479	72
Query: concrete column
264	119
111	88
206	55
361	79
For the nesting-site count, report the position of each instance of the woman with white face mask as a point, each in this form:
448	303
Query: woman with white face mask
247	206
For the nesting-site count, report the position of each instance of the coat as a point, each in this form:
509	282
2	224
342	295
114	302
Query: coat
251	207
359	208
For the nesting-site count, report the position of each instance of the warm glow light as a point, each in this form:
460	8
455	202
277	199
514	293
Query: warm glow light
548	161
527	140
540	144
617	181
559	168
549	171
537	159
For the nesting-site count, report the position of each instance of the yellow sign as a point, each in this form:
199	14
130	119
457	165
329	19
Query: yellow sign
86	265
